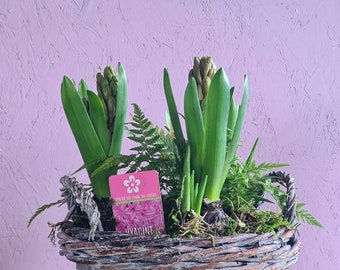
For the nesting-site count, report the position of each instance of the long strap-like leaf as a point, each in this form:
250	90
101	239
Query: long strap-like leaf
194	126
237	131
82	89
215	139
98	119
185	190
80	123
84	133
179	138
117	136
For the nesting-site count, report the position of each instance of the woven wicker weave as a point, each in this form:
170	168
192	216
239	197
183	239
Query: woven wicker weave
113	250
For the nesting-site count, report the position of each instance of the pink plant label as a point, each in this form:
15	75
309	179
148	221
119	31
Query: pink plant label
137	206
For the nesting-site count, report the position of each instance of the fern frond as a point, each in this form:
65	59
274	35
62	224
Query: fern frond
137	131
135	124
266	166
43	208
86	165
304	216
159	146
145	124
155	150
137	148
119	162
150	132
152	139
136	139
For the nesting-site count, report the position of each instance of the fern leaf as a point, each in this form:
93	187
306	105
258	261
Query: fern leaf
152	140
135	124
41	209
150	132
145	124
136	131
144	121
136	139
266	166
86	165
159	146
304	216
136	109
154	150
137	149
110	162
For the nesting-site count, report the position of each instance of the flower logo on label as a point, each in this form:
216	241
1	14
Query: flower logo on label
132	184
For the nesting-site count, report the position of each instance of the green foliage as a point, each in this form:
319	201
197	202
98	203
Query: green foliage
247	184
242	192
256	221
173	113
245	188
191	193
43	208
204	167
155	150
304	216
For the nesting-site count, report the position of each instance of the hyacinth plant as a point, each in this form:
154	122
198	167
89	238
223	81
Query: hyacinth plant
97	121
213	174
213	125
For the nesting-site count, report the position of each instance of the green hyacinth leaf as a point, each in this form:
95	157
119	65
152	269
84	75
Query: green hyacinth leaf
119	124
215	139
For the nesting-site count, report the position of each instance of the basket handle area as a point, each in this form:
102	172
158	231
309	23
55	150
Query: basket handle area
288	182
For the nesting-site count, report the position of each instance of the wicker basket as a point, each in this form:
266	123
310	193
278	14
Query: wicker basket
113	250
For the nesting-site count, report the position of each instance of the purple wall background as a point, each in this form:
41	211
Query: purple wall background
289	49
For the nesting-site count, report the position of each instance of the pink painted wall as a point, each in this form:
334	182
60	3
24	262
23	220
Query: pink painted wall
289	49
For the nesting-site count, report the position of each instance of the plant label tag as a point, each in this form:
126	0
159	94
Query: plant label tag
137	206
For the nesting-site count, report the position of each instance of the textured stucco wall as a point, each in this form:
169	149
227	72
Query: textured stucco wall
289	49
